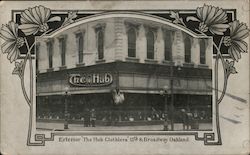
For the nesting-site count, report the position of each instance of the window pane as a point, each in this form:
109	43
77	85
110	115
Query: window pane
150	45
80	47
168	46
62	50
203	52
37	56
187	50
100	45
50	54
131	43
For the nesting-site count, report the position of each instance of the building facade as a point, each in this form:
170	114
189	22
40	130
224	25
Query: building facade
119	64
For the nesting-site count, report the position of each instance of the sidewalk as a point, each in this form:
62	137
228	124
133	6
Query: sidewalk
80	127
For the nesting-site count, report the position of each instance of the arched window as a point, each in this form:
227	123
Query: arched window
187	50
131	42
150	45
80	44
168	46
202	51
100	44
62	48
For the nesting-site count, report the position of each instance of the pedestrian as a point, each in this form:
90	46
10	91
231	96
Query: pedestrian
86	118
189	119
93	117
185	120
165	128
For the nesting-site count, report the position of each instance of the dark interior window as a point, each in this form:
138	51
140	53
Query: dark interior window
168	46
62	48
100	46
202	51
187	50
80	47
131	43
150	45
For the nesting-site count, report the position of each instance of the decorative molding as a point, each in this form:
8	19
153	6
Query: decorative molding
132	24
63	36
151	61
132	59
188	64
152	28
169	63
100	61
99	27
80	31
50	40
172	32
80	64
62	67
203	66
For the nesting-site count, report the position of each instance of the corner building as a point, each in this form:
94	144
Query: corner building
135	53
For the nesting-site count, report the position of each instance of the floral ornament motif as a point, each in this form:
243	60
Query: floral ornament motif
238	32
177	18
230	69
68	20
12	41
211	18
35	20
18	70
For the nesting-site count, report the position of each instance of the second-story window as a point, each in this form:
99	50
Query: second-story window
187	50
131	42
202	51
150	45
50	53
62	48
80	44
100	44
168	45
100	31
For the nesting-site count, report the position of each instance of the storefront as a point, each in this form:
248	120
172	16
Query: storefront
91	88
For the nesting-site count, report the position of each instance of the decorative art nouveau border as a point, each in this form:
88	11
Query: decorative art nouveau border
228	33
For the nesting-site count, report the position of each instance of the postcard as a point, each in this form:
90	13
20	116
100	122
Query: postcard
124	77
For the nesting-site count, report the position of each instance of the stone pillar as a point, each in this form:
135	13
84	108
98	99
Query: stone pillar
160	46
141	45
119	39
195	51
209	52
178	48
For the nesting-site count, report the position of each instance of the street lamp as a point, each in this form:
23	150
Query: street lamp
66	123
164	92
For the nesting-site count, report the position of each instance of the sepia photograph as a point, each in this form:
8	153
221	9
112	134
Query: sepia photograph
125	71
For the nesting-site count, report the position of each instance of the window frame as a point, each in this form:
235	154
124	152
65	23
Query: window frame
80	51
50	53
37	56
187	48
100	28
168	47
100	48
133	53
203	51
62	48
150	45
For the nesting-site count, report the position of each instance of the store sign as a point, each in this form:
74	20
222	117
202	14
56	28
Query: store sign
91	79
